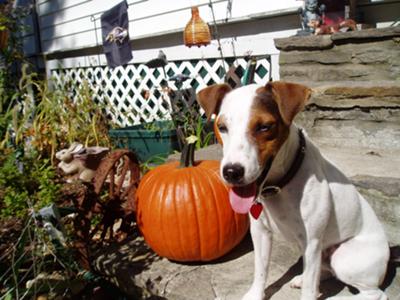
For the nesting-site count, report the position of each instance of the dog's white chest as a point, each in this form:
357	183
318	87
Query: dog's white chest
284	217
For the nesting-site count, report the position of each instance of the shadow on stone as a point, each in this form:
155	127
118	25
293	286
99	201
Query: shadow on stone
121	263
328	288
244	247
394	263
293	271
333	286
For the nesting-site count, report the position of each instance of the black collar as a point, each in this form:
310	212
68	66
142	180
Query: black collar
276	188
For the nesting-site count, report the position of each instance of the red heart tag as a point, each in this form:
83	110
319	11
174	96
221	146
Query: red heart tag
256	210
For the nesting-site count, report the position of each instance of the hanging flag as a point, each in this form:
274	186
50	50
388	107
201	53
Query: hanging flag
114	29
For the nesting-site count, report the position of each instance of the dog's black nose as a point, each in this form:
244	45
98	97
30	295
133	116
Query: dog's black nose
233	173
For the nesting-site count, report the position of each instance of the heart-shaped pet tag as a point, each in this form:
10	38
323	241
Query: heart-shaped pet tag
256	210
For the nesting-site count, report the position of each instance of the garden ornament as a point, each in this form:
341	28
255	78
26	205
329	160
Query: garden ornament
159	61
80	162
114	28
311	16
197	32
180	78
50	219
346	25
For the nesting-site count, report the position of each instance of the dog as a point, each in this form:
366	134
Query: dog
277	174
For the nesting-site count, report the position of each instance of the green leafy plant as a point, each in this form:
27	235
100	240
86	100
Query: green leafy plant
51	119
32	265
151	163
204	137
23	180
11	26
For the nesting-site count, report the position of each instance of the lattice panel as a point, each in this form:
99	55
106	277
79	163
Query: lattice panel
136	94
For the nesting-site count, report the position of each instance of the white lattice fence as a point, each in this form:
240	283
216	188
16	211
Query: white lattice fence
135	92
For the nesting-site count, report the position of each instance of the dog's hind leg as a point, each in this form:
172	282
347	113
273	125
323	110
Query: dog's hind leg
361	262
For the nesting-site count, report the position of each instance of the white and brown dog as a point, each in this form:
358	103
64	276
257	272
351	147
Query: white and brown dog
277	173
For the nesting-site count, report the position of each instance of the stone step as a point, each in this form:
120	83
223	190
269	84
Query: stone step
355	114
353	72
376	176
319	42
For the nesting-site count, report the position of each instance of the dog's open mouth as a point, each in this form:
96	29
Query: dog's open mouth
243	197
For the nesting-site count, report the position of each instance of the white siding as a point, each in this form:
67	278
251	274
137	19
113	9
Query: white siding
68	24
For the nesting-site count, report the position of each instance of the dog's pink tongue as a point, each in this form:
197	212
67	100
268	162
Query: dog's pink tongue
242	198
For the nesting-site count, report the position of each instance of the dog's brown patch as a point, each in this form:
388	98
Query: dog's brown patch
290	97
218	121
265	114
275	106
211	97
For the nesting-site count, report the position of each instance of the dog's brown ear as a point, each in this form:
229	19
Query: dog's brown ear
210	98
290	97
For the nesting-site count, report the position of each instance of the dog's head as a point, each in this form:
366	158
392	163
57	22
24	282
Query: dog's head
252	124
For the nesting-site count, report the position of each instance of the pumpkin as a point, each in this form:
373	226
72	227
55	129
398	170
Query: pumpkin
183	211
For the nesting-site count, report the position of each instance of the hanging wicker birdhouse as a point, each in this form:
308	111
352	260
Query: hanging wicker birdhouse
197	32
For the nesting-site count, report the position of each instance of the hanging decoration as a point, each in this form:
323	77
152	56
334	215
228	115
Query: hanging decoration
114	27
197	32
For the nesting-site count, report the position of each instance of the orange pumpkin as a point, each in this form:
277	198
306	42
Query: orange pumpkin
183	211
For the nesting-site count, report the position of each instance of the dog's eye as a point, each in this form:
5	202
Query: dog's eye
222	128
264	127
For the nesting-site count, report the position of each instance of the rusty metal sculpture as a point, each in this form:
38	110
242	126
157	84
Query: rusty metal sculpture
115	184
109	201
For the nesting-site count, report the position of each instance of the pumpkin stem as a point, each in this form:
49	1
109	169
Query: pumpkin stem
187	156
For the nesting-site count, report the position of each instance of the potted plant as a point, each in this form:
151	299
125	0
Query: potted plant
161	138
158	138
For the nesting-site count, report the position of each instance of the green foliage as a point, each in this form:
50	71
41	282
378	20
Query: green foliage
33	265
51	119
26	179
151	163
204	137
11	27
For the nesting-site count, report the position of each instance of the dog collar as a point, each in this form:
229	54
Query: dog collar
270	190
276	188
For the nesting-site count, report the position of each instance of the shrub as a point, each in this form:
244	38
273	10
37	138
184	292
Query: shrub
25	180
51	119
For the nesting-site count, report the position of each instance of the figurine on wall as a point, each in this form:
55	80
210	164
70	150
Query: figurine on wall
80	162
311	16
346	25
326	17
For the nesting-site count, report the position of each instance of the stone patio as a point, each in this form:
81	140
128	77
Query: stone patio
143	275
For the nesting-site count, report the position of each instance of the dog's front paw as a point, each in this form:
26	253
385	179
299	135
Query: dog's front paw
254	294
296	282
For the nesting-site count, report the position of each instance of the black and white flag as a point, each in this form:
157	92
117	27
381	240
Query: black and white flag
114	29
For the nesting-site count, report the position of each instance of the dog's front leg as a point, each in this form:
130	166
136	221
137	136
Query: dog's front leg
262	243
312	270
